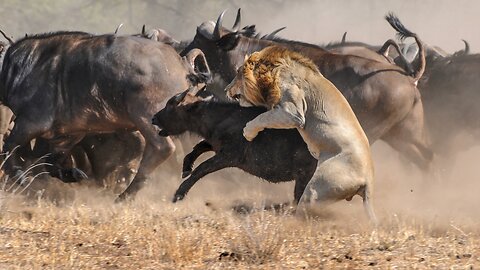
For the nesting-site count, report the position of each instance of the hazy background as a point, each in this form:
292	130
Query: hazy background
438	22
399	187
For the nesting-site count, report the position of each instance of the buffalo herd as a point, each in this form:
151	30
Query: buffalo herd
89	105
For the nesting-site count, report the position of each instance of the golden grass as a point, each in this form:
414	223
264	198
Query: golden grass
160	235
62	226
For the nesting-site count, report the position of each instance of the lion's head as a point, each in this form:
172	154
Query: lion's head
258	79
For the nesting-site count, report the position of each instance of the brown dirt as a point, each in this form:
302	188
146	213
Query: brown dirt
77	227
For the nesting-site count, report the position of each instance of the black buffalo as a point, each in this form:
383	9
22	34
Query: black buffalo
383	96
276	155
450	93
62	86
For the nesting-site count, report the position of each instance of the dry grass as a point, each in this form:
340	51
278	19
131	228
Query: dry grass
72	227
159	235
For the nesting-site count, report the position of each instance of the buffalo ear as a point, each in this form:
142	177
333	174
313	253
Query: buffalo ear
248	31
189	99
228	41
193	97
199	92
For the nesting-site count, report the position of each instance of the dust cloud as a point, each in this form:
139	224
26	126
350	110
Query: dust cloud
400	187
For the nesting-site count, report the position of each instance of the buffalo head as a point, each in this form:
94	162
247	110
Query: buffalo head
215	40
172	119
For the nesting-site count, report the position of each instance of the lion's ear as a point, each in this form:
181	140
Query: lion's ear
246	58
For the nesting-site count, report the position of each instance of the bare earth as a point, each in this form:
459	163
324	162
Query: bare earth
76	227
160	236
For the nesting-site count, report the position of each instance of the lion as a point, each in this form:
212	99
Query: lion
297	96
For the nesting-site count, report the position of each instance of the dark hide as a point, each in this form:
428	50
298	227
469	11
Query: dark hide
65	85
382	95
110	154
450	93
276	155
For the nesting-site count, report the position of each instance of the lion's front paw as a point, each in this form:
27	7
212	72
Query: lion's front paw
249	133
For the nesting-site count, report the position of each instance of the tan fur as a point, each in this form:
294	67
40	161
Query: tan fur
298	96
261	74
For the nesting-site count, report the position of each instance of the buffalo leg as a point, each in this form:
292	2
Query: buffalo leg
190	158
157	150
24	131
212	164
408	138
82	160
300	185
62	165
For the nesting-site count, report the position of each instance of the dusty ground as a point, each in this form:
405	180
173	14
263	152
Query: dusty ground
72	227
423	224
158	235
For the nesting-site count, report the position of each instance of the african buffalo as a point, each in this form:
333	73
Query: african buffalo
383	96
276	155
62	86
450	94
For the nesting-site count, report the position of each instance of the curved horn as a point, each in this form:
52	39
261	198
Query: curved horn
198	77
467	47
118	28
344	38
464	51
272	34
6	37
143	30
218	25
192	56
405	48
238	19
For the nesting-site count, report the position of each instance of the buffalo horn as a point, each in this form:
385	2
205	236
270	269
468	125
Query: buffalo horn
405	48
192	55
238	19
118	28
344	38
272	34
467	47
218	25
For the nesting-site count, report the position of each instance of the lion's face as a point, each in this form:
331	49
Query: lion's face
236	89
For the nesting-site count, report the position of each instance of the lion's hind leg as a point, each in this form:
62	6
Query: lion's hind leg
335	179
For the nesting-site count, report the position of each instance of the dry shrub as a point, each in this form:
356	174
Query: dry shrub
256	238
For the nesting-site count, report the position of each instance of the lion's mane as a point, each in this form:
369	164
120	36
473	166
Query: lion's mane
261	73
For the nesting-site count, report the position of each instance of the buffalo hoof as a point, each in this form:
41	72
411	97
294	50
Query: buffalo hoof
178	197
186	174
